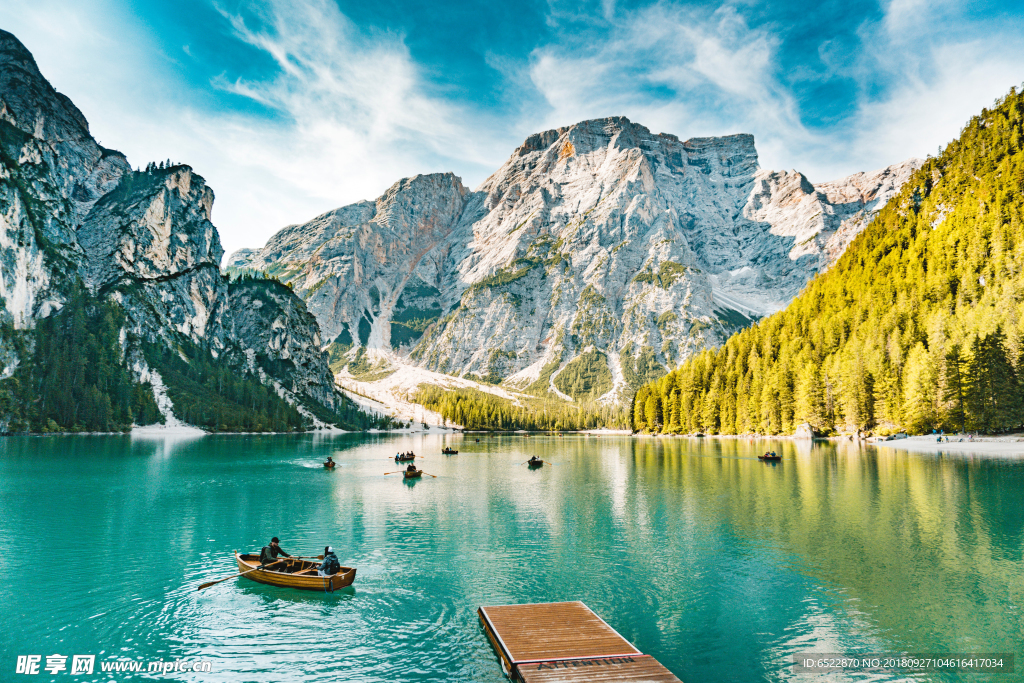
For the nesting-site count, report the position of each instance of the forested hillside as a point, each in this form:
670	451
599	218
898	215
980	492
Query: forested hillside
474	409
919	324
73	377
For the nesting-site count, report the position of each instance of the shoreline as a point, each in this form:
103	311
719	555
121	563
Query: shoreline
1009	445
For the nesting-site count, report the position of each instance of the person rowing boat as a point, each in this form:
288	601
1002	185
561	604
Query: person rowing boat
271	552
330	462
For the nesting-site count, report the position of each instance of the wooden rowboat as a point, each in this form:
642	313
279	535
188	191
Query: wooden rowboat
415	474
304	577
449	452
404	458
329	465
534	463
768	456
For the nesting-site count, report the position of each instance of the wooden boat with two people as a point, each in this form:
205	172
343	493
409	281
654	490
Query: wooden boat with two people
534	462
411	472
329	465
449	451
770	457
293	573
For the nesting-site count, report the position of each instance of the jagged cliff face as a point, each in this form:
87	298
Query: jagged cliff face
597	256
52	173
150	245
282	339
353	265
70	209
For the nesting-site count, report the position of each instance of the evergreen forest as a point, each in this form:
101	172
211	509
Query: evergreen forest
918	326
479	410
73	376
216	396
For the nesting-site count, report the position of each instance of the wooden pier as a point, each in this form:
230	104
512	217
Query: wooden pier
565	642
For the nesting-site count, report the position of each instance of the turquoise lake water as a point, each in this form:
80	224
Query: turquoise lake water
719	565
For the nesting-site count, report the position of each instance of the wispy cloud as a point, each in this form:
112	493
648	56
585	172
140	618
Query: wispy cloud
354	113
919	73
289	108
681	70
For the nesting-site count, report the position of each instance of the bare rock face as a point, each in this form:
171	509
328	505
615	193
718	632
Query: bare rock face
353	265
150	244
71	210
51	172
599	250
282	338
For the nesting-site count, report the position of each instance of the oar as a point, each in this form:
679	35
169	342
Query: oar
214	583
428	474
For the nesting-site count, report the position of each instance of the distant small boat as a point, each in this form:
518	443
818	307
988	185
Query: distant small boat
405	457
304	578
449	451
531	463
329	465
415	474
769	456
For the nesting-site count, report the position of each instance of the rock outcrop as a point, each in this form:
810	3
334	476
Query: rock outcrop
51	173
71	210
353	265
282	339
600	254
150	244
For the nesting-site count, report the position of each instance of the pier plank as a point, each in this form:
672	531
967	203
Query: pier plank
642	668
556	630
565	642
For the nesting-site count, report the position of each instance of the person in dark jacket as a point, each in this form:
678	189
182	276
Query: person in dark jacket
330	566
271	552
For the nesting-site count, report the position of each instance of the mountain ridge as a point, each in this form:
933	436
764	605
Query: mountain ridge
601	235
81	231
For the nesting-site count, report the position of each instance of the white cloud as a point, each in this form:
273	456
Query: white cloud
919	74
719	71
353	114
922	115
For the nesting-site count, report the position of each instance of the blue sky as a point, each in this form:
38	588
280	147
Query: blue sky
292	107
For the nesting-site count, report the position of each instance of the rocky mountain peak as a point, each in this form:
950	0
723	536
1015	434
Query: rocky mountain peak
163	228
71	210
598	250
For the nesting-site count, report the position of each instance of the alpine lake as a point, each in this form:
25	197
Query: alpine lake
719	565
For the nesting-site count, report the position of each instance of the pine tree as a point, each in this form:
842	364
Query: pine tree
920	389
956	386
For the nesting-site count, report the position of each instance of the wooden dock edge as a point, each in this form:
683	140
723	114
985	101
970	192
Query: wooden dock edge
499	647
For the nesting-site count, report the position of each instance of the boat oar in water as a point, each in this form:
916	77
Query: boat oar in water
404	471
